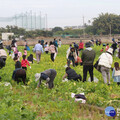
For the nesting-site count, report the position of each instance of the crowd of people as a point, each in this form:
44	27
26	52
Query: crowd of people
77	54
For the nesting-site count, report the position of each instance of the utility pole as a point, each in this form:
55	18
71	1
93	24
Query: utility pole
26	21
40	20
31	19
46	22
83	27
22	20
35	20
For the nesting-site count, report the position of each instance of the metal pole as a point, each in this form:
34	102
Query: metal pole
46	22
26	21
40	20
83	27
35	21
31	19
22	20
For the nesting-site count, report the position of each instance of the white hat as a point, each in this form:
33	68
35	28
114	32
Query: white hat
37	76
110	50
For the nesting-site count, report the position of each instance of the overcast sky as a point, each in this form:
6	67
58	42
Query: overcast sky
61	12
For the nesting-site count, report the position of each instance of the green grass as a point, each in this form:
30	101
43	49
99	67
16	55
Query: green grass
28	103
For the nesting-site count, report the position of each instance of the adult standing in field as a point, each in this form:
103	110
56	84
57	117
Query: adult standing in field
14	43
88	57
52	50
39	50
55	44
48	75
105	61
76	47
114	47
25	44
81	45
42	43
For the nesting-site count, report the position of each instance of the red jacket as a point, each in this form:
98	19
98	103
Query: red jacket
24	63
81	45
107	47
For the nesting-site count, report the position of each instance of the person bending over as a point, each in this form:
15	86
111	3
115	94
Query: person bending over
48	75
72	75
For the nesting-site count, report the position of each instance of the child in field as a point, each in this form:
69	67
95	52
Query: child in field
24	63
116	73
15	51
107	47
17	63
102	50
30	58
25	51
19	55
78	61
46	46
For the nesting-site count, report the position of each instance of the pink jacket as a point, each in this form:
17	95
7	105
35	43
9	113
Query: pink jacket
25	52
52	49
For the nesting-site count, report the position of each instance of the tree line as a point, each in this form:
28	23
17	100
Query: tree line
104	24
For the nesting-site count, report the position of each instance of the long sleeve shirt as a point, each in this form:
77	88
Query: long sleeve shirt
24	63
17	65
38	47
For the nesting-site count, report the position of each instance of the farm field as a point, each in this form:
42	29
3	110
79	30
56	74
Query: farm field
21	102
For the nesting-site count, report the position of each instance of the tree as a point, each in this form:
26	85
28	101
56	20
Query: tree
101	25
56	29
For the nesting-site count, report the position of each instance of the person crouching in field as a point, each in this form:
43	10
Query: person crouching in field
24	63
3	53
48	75
105	61
52	50
116	73
71	75
18	73
71	56
88	57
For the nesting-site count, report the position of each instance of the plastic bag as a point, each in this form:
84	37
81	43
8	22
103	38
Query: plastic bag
95	80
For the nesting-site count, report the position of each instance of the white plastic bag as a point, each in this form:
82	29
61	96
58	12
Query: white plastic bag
95	80
65	80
